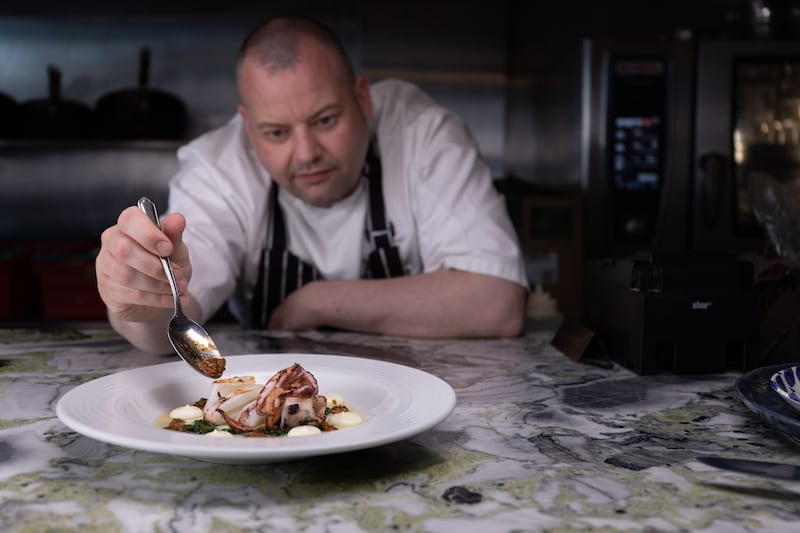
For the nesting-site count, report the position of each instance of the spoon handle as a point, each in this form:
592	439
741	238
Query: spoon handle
149	208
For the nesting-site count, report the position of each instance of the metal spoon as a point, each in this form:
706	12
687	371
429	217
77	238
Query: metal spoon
189	339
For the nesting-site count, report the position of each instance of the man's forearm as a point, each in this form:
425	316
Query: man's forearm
446	303
151	336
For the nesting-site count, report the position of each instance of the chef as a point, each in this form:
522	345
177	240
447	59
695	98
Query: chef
325	202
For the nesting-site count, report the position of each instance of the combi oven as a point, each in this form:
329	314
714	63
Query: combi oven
680	138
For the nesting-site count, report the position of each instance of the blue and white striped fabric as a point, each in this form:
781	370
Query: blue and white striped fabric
786	383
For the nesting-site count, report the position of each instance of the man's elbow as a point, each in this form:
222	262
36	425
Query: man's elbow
512	325
508	314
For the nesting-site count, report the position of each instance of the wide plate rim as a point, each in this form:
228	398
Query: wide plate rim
411	394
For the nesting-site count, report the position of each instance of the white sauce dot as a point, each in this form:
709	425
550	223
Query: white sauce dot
334	399
301	431
345	419
217	433
186	412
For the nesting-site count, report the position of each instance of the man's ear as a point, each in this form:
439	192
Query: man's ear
363	96
247	126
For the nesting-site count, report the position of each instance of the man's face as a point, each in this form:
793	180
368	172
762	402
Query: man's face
307	124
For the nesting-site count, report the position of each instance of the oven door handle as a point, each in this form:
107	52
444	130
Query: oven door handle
713	168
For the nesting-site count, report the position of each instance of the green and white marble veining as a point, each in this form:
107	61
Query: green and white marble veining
536	443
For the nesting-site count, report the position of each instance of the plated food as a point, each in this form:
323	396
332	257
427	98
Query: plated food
289	403
395	401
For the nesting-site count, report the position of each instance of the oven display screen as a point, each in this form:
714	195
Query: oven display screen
635	144
636	152
636	124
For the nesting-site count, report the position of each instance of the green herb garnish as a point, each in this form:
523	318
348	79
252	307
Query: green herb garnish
201	427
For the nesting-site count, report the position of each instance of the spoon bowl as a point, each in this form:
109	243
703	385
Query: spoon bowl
189	339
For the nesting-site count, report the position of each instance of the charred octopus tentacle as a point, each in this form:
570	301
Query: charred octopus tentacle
289	399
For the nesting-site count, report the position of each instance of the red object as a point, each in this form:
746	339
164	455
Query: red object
19	292
67	281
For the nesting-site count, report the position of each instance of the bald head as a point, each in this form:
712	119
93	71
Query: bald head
276	45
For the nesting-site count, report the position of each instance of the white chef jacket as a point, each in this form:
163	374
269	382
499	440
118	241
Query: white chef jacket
438	192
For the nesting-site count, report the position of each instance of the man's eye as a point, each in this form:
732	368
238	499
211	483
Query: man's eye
327	120
275	135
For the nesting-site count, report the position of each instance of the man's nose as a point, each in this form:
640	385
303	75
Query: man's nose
307	148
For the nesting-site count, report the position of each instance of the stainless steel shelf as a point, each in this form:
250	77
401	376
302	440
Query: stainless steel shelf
20	145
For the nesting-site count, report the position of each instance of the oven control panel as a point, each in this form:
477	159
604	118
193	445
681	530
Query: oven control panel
636	124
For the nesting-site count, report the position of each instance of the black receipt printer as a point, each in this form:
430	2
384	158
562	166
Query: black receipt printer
684	314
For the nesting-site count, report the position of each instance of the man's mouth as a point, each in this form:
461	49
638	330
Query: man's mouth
312	177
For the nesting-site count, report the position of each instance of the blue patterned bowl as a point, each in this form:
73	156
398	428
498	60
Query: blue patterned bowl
786	383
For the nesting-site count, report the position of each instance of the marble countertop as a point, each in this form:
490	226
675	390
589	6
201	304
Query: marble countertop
536	442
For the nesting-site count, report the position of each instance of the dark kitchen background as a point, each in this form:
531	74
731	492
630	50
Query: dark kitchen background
513	69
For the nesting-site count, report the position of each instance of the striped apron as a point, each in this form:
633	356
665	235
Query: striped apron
281	272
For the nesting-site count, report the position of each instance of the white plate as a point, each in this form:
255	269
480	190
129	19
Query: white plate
786	383
396	402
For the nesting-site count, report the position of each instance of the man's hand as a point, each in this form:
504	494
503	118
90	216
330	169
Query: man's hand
131	280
